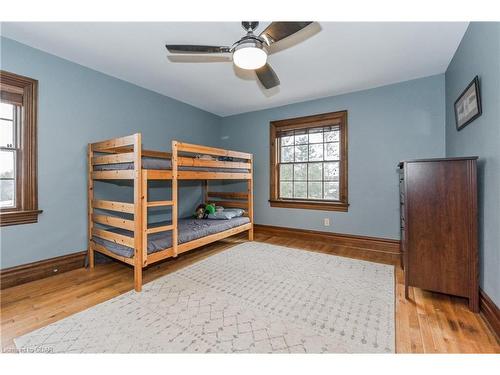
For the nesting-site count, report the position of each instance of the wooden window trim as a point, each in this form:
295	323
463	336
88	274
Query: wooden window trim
26	183
334	118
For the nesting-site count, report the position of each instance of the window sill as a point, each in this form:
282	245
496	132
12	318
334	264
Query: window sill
310	205
19	217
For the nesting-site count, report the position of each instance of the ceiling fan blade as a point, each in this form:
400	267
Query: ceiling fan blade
280	30
186	48
267	76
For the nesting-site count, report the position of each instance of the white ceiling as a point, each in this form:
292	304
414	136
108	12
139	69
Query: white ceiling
329	58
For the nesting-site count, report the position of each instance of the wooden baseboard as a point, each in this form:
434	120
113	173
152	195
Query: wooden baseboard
387	250
25	273
490	312
370	243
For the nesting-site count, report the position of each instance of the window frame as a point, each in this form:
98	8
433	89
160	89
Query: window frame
338	118
12	87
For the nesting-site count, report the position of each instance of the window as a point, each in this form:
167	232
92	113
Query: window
309	162
18	172
9	126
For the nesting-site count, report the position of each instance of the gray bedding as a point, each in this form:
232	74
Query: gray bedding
188	230
162	164
147	163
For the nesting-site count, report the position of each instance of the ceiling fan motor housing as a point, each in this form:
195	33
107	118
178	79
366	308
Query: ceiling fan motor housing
250	41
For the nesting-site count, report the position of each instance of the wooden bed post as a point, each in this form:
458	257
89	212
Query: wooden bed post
174	198
138	255
250	200
90	209
144	217
205	191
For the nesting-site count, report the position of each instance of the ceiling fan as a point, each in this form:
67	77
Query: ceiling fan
250	52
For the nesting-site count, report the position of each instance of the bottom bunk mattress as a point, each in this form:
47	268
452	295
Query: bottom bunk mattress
188	230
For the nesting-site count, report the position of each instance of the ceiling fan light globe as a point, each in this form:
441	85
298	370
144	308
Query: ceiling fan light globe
249	57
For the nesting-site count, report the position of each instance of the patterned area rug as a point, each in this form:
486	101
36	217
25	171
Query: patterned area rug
254	297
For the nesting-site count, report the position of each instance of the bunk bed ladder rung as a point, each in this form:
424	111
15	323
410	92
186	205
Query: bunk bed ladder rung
159	229
160	203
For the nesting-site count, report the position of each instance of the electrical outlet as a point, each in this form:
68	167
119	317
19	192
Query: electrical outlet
326	222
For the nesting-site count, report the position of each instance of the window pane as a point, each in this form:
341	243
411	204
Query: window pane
6	111
286	190
316	171
332	151
316	152
6	164
316	136
315	190
6	133
300	189
286	171
331	171
332	190
301	138
301	153
287	154
332	136
300	172
7	193
287	141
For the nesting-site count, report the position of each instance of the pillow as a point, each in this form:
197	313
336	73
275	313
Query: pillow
237	211
226	214
222	215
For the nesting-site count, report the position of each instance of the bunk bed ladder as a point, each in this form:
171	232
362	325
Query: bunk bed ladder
146	203
139	251
174	198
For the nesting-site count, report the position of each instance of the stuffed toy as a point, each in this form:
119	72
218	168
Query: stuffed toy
199	212
203	210
210	208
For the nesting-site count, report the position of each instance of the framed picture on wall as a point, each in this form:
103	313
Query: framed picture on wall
468	105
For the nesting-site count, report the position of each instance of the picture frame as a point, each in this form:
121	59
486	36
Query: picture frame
468	105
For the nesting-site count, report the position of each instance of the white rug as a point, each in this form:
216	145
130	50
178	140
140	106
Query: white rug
254	297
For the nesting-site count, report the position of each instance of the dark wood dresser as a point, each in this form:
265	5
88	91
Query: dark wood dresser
439	243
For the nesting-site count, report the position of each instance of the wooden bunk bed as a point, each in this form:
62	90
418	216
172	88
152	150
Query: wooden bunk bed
124	159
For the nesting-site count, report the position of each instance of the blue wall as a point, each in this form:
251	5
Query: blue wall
76	106
385	125
479	54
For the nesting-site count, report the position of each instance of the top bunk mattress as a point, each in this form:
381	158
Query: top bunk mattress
188	230
161	164
147	163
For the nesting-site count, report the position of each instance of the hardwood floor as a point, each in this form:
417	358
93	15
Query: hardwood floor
428	323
